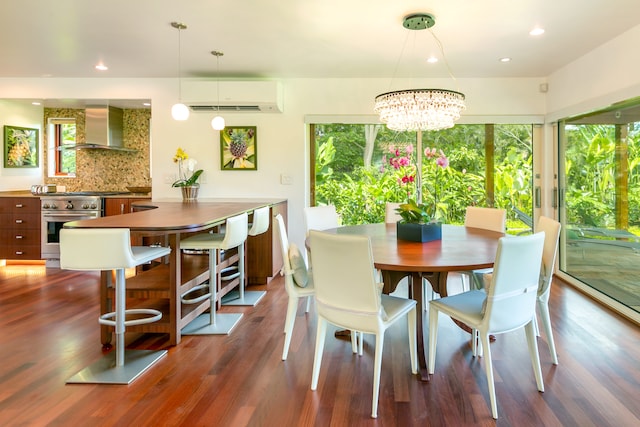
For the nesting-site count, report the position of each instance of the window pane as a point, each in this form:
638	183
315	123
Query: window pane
354	170
600	212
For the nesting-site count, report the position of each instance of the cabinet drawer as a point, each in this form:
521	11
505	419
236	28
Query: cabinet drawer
20	220
25	204
20	252
13	236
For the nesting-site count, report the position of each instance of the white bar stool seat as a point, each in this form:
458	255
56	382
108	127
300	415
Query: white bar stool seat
108	249
243	297
235	236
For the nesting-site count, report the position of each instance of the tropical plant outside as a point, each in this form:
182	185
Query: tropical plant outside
591	170
360	192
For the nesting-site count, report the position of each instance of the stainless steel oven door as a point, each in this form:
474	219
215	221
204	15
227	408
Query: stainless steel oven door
51	225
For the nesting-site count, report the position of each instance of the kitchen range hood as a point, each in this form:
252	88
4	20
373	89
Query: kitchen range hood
103	130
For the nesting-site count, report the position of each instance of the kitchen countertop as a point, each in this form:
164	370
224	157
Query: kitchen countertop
27	193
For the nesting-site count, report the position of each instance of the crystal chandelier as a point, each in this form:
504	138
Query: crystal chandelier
419	109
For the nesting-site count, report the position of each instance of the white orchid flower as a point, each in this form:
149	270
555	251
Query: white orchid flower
191	164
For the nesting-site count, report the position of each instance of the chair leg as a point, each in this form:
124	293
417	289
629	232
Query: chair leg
488	366
213	285
288	325
413	343
354	341
536	329
241	270
317	358
433	337
474	342
377	365
546	323
120	315
535	356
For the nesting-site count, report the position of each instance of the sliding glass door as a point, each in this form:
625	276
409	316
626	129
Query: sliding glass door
599	176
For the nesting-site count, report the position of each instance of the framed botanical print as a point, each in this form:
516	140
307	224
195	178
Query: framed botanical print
20	147
238	148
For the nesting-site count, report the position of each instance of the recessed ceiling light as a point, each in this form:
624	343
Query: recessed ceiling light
505	59
36	103
537	31
432	60
101	67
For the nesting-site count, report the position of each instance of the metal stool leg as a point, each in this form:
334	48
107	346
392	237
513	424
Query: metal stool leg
112	368
214	323
242	297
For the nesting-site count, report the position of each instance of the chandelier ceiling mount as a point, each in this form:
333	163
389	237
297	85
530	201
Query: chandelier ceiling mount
420	109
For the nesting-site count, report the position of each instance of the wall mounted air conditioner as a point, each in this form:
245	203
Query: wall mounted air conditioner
235	96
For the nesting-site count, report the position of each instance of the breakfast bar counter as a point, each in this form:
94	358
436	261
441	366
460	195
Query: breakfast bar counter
167	222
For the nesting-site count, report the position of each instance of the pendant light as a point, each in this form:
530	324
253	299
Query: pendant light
218	121
420	109
179	111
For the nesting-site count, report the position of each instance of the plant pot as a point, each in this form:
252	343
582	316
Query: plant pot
419	232
190	192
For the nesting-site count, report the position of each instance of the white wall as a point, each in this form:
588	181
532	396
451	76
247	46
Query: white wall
21	115
598	79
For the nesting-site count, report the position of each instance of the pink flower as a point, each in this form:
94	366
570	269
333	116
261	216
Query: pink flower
409	149
442	160
404	161
429	153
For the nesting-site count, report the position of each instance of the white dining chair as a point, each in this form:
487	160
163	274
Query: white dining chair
348	296
390	213
491	219
298	282
509	304
551	229
323	218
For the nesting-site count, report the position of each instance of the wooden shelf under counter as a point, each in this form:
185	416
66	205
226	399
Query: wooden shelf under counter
160	284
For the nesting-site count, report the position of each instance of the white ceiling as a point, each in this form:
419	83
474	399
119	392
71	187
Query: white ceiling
302	38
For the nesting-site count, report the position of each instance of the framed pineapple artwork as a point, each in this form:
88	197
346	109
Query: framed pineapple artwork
20	147
239	148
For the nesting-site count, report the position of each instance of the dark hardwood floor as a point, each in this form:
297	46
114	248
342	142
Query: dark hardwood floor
49	331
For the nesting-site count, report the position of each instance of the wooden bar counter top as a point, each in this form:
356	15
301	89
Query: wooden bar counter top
166	222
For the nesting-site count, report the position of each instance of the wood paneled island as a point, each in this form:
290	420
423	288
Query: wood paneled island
167	222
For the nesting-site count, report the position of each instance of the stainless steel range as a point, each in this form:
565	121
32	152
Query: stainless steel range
57	209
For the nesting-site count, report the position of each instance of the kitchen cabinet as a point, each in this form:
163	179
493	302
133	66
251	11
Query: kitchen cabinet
120	205
20	226
264	256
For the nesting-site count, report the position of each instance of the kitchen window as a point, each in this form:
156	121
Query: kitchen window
62	133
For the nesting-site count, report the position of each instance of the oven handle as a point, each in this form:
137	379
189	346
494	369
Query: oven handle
69	216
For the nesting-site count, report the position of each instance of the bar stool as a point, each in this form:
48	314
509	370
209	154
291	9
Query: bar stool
236	231
108	249
243	297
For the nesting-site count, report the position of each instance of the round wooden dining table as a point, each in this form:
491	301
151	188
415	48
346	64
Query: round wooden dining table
460	249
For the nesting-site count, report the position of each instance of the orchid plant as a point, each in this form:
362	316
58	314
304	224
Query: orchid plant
412	211
187	173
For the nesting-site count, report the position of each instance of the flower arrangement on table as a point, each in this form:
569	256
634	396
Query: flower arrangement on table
413	212
187	175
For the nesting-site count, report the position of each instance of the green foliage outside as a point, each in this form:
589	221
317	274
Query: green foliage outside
68	156
591	169
360	193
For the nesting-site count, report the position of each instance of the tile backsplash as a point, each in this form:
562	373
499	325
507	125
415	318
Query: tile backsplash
106	170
